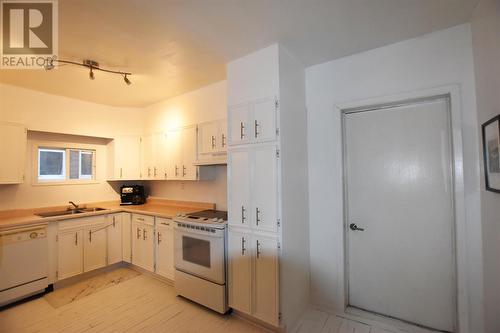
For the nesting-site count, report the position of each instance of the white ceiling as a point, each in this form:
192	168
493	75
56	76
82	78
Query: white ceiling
174	46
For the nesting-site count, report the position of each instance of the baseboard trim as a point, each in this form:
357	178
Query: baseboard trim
257	322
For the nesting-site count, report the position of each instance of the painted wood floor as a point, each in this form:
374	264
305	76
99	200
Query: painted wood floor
314	321
140	304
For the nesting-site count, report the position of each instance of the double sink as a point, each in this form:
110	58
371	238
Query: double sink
70	212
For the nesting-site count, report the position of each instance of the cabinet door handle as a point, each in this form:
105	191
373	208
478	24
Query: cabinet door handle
243	249
223	140
213	142
258	249
256	130
155	171
144	237
176	170
138	233
243	218
149	171
183	171
241	130
140	219
159	239
114	222
121	172
90	236
257	212
76	238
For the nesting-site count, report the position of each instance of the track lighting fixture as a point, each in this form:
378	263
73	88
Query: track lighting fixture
127	81
91	65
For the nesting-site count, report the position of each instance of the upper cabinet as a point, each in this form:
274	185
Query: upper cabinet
13	142
253	122
212	142
124	158
153	156
181	154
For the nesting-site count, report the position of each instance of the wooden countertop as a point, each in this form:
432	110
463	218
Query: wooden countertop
154	206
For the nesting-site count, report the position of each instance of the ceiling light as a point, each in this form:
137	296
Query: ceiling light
91	65
127	81
49	65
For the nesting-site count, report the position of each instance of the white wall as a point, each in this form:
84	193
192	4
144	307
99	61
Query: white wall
50	113
441	58
486	45
205	104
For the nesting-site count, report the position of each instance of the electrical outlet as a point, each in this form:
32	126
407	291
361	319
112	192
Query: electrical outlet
183	185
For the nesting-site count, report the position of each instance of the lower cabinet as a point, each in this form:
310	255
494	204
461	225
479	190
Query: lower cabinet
115	247
70	261
94	247
143	241
253	275
165	248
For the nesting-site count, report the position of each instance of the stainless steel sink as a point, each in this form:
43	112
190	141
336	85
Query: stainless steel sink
70	212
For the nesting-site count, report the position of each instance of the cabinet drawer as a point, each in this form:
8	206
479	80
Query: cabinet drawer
164	221
139	218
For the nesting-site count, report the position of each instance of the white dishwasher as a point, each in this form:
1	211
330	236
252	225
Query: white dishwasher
23	262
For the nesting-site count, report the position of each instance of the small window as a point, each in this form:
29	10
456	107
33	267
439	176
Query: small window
59	165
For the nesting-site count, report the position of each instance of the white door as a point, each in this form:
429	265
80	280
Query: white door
189	170
115	239
147	157
240	271
240	124
265	188
222	136
126	221
148	247
265	305
137	246
165	248
240	211
70	253
208	137
264	122
127	150
398	166
173	154
95	247
13	151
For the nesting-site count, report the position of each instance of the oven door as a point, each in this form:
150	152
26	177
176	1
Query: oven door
200	253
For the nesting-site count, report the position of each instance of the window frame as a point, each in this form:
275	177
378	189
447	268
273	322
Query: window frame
67	147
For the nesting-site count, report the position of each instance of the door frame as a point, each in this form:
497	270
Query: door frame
452	92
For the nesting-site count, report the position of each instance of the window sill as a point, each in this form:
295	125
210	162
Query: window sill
84	182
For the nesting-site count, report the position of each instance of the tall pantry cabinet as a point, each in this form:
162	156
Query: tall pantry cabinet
268	237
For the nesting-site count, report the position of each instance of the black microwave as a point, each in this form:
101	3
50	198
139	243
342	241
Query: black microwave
132	195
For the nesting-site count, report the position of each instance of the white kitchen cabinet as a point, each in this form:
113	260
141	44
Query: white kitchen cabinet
13	138
143	241
70	253
265	188
94	247
212	142
253	122
240	271
124	158
265	276
165	248
239	179
126	221
253	184
115	239
182	154
253	274
153	156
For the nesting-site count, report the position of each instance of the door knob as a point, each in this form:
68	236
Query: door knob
354	227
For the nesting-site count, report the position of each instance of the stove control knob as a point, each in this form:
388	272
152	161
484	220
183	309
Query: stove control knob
215	219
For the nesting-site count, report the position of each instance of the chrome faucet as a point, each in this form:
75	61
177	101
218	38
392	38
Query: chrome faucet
73	204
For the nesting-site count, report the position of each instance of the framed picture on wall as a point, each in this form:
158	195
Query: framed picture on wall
491	152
